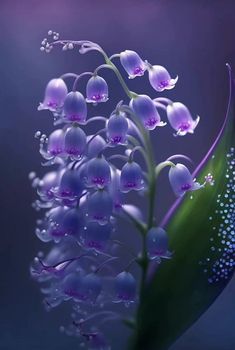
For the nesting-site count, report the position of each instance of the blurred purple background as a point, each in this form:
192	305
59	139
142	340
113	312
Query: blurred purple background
193	39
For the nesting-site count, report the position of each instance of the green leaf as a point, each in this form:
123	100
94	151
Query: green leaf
201	233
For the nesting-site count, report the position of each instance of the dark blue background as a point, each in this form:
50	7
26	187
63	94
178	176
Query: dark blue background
193	39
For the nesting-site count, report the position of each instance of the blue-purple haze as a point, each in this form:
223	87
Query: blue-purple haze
193	39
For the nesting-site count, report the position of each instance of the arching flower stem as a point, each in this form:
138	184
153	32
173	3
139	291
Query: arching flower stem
79	77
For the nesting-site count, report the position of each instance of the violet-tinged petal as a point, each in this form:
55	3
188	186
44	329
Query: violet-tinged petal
96	90
96	236
117	128
56	91
157	242
98	173
160	79
100	207
75	108
146	111
114	189
131	177
132	63
125	287
180	118
75	141
56	142
181	180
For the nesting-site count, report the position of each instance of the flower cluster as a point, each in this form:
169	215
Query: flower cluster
86	193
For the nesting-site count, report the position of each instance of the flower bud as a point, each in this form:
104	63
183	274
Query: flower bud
100	207
132	63
75	141
117	128
160	79
96	90
56	91
146	111
181	180
131	177
157	242
98	173
75	108
55	145
180	118
96	236
125	286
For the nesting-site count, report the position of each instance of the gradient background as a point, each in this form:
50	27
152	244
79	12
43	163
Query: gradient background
193	39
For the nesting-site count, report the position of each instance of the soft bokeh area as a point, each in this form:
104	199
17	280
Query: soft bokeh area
193	39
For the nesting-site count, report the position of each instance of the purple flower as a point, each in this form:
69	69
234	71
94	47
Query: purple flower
75	108
47	184
70	185
180	118
98	173
181	180
131	177
56	140
56	91
75	141
96	90
157	243
72	285
96	236
125	287
90	287
146	111
100	207
132	63
117	128
160	79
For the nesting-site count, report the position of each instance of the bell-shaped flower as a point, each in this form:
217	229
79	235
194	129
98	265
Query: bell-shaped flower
117	128
90	287
56	141
181	180
146	111
72	285
180	118
72	223
95	146
131	177
75	108
47	185
71	185
98	173
95	236
160	79
56	91
75	141
157	243
132	63
100	207
125	287
96	90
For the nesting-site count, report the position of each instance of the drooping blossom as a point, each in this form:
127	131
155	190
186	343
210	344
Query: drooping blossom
180	119
132	63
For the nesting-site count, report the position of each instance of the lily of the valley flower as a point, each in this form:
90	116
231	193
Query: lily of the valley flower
180	118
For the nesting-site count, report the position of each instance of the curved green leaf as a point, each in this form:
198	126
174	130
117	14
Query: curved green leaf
202	237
